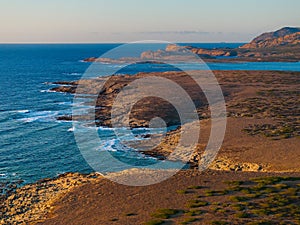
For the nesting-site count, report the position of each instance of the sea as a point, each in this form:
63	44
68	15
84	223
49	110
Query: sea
33	143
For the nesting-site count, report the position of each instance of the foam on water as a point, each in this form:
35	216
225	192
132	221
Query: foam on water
71	129
23	111
73	74
41	116
47	91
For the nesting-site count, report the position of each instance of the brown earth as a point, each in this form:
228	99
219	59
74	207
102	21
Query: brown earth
205	196
105	202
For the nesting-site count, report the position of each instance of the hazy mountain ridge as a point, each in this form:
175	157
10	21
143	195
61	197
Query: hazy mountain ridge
286	36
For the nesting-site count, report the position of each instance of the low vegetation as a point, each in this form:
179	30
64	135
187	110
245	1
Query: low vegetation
265	200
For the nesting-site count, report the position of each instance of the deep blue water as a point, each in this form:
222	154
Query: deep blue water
33	144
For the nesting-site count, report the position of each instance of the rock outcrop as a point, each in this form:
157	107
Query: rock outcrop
173	51
214	52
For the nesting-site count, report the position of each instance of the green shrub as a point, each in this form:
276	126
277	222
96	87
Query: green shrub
215	193
267	180
242	215
238	207
195	187
154	222
246	191
216	222
234	182
238	198
261	222
182	191
234	188
165	213
194	212
197	203
280	186
189	220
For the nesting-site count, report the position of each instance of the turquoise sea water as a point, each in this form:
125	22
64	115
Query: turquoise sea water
33	144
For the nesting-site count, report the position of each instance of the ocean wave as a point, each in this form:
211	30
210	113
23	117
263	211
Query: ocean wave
105	128
3	175
19	111
71	129
126	154
65	103
116	66
23	111
72	74
49	83
47	91
7	175
113	145
43	116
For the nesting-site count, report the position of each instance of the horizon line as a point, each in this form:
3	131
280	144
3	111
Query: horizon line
181	42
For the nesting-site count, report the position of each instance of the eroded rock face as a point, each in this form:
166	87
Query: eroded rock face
230	165
286	36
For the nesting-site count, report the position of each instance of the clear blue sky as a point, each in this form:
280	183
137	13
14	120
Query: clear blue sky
132	20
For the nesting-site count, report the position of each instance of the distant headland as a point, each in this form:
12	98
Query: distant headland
282	45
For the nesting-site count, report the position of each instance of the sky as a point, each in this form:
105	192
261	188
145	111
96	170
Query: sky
99	21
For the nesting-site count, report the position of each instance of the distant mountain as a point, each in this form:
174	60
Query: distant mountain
287	36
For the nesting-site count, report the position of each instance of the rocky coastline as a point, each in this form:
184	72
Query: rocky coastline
267	100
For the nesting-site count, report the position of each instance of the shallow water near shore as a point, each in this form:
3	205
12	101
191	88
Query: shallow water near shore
33	144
